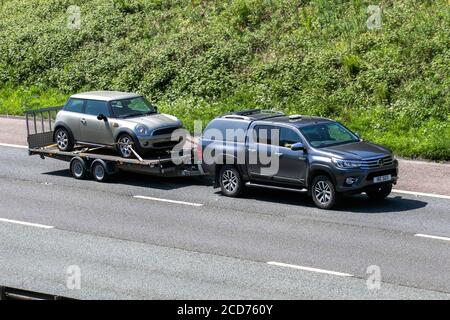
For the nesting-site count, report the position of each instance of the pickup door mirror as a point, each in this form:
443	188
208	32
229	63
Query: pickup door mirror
101	116
298	146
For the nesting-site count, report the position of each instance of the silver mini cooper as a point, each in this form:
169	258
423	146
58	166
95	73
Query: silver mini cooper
115	119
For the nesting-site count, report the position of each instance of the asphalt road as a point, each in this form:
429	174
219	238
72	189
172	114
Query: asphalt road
209	246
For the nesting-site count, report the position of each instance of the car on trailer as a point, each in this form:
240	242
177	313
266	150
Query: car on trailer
121	120
100	162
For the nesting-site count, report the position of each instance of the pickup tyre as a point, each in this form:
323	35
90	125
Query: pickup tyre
324	192
230	181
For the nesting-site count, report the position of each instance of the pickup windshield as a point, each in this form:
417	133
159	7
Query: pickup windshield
133	107
328	134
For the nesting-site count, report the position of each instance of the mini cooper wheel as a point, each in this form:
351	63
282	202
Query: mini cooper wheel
379	192
63	139
324	193
78	168
99	172
230	181
124	145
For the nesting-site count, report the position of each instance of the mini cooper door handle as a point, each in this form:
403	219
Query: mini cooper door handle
83	121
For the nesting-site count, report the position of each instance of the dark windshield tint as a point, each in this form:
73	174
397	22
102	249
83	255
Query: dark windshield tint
133	107
327	134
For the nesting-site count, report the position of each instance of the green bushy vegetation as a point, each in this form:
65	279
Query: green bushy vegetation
200	58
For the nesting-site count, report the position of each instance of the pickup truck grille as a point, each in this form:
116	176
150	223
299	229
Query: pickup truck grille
377	162
162	131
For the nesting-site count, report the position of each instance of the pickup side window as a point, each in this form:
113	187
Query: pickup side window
288	137
262	134
74	105
94	108
267	135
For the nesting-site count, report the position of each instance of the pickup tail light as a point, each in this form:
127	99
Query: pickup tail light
199	151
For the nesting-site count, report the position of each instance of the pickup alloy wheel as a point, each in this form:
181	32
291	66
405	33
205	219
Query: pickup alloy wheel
230	181
323	192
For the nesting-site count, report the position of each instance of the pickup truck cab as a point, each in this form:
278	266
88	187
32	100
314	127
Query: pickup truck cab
297	153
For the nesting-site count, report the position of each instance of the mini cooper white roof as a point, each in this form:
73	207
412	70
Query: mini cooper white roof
105	95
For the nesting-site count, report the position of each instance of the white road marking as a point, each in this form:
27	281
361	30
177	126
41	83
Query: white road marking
279	264
170	201
13	145
421	194
431	237
37	225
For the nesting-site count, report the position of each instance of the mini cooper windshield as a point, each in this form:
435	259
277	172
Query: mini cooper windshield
328	134
132	107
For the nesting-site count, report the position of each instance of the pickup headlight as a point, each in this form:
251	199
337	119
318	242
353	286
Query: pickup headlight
346	164
142	130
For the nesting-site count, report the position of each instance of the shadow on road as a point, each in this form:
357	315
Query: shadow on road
147	181
162	183
356	204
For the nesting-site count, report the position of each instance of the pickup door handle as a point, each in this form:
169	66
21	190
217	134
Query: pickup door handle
83	121
251	150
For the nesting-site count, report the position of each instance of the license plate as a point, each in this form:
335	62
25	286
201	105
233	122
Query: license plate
385	178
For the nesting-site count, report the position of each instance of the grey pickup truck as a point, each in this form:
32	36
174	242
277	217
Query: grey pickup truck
297	153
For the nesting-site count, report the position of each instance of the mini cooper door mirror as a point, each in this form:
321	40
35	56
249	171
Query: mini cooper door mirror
101	116
298	146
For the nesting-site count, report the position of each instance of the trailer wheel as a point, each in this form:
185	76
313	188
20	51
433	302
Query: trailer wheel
98	171
78	168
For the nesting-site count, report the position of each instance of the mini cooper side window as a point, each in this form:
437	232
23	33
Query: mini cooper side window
74	105
95	108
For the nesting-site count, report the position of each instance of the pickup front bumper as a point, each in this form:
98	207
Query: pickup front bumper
363	179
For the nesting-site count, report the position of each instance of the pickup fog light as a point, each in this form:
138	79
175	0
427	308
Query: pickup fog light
351	180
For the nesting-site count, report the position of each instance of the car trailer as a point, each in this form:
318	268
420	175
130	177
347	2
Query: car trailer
101	162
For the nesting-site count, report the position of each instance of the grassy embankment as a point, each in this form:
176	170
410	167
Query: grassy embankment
200	58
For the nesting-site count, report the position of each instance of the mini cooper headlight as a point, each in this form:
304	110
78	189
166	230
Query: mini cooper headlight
346	164
141	130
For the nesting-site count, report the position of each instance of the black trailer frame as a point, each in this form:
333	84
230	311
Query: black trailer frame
40	137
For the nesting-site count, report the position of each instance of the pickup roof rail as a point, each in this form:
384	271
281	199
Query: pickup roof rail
253	114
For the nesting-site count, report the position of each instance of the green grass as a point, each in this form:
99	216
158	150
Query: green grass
198	58
15	101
